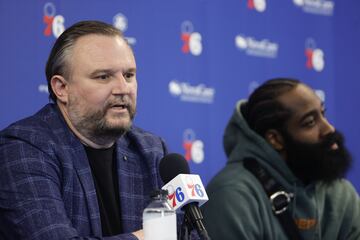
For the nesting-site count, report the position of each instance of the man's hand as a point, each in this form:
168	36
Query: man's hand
139	234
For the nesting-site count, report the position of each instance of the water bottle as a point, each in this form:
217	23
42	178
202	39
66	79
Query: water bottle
159	219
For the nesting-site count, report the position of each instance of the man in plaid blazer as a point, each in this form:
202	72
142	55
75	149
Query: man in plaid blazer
51	183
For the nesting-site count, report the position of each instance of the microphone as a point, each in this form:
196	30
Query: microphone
186	191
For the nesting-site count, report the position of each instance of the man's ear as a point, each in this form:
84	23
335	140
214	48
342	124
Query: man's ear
275	139
59	86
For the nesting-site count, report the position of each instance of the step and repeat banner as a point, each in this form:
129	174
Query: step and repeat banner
195	59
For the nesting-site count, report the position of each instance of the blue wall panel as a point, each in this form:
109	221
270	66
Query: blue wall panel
195	59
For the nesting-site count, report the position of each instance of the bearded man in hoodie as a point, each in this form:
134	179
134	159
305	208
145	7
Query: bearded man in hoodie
283	131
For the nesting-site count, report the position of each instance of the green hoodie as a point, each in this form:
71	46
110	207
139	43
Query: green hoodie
238	207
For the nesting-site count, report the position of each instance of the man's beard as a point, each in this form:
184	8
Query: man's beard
94	125
318	162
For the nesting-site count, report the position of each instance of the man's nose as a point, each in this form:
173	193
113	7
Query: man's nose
120	85
327	127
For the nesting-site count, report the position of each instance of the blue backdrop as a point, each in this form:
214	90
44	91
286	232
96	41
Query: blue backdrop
195	59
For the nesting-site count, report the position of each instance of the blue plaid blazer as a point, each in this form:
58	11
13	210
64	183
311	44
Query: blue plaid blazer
46	186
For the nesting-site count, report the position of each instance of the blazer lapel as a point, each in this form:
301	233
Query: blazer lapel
75	153
135	182
84	174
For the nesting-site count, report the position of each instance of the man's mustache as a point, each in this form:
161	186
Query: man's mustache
332	138
119	102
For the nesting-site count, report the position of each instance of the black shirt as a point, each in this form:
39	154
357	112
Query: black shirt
103	166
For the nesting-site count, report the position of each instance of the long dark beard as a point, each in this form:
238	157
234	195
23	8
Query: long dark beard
318	162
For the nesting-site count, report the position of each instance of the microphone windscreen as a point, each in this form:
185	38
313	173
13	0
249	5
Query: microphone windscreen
172	165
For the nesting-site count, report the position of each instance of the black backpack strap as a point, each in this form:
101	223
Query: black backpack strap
279	198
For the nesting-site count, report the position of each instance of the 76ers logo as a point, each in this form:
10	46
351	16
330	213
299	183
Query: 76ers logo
175	196
192	40
54	23
194	148
178	195
314	56
196	189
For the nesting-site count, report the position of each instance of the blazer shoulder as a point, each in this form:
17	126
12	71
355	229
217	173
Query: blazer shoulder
44	128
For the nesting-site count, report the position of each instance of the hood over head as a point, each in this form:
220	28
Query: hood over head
240	142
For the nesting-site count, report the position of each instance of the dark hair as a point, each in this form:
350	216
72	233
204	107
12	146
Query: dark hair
57	62
263	111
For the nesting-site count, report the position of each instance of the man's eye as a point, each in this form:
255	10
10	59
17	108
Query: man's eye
129	75
309	123
103	77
